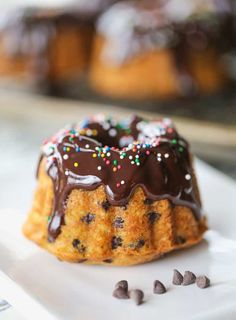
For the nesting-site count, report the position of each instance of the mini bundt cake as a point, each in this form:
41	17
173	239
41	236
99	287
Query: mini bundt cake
115	192
150	49
49	45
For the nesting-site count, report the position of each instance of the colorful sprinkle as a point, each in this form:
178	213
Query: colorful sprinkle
76	164
174	141
112	132
187	176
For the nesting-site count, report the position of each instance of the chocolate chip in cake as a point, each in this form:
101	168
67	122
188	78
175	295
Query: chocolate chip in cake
116	242
180	240
118	223
177	278
203	282
120	293
158	287
137	245
153	216
140	243
78	245
148	201
189	278
106	205
137	295
82	260
81	248
88	218
107	261
75	243
122	284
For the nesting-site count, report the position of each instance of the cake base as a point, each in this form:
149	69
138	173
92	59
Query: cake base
97	233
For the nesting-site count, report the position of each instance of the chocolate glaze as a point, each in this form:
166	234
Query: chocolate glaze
157	160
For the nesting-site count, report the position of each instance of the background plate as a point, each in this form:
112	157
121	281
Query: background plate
37	284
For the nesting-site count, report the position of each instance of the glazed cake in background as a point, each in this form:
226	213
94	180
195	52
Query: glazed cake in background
141	49
150	49
49	46
115	192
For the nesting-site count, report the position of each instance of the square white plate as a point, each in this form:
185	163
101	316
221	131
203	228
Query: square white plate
41	287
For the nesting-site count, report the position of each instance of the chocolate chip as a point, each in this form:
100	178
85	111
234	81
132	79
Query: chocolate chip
189	278
203	282
122	284
116	242
106	205
81	248
124	207
107	260
140	243
118	223
88	218
153	216
82	260
180	240
137	295
177	278
137	245
75	243
158	287
120	293
148	201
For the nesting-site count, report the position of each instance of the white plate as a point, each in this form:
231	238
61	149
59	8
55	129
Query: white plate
41	287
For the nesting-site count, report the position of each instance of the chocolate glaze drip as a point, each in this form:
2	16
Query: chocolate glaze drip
156	159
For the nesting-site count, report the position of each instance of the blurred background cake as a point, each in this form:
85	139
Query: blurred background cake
150	49
48	45
135	49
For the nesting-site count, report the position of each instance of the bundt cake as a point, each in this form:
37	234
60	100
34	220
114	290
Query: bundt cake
115	192
50	46
150	49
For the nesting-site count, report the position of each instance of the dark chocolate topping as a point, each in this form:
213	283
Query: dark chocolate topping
124	156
